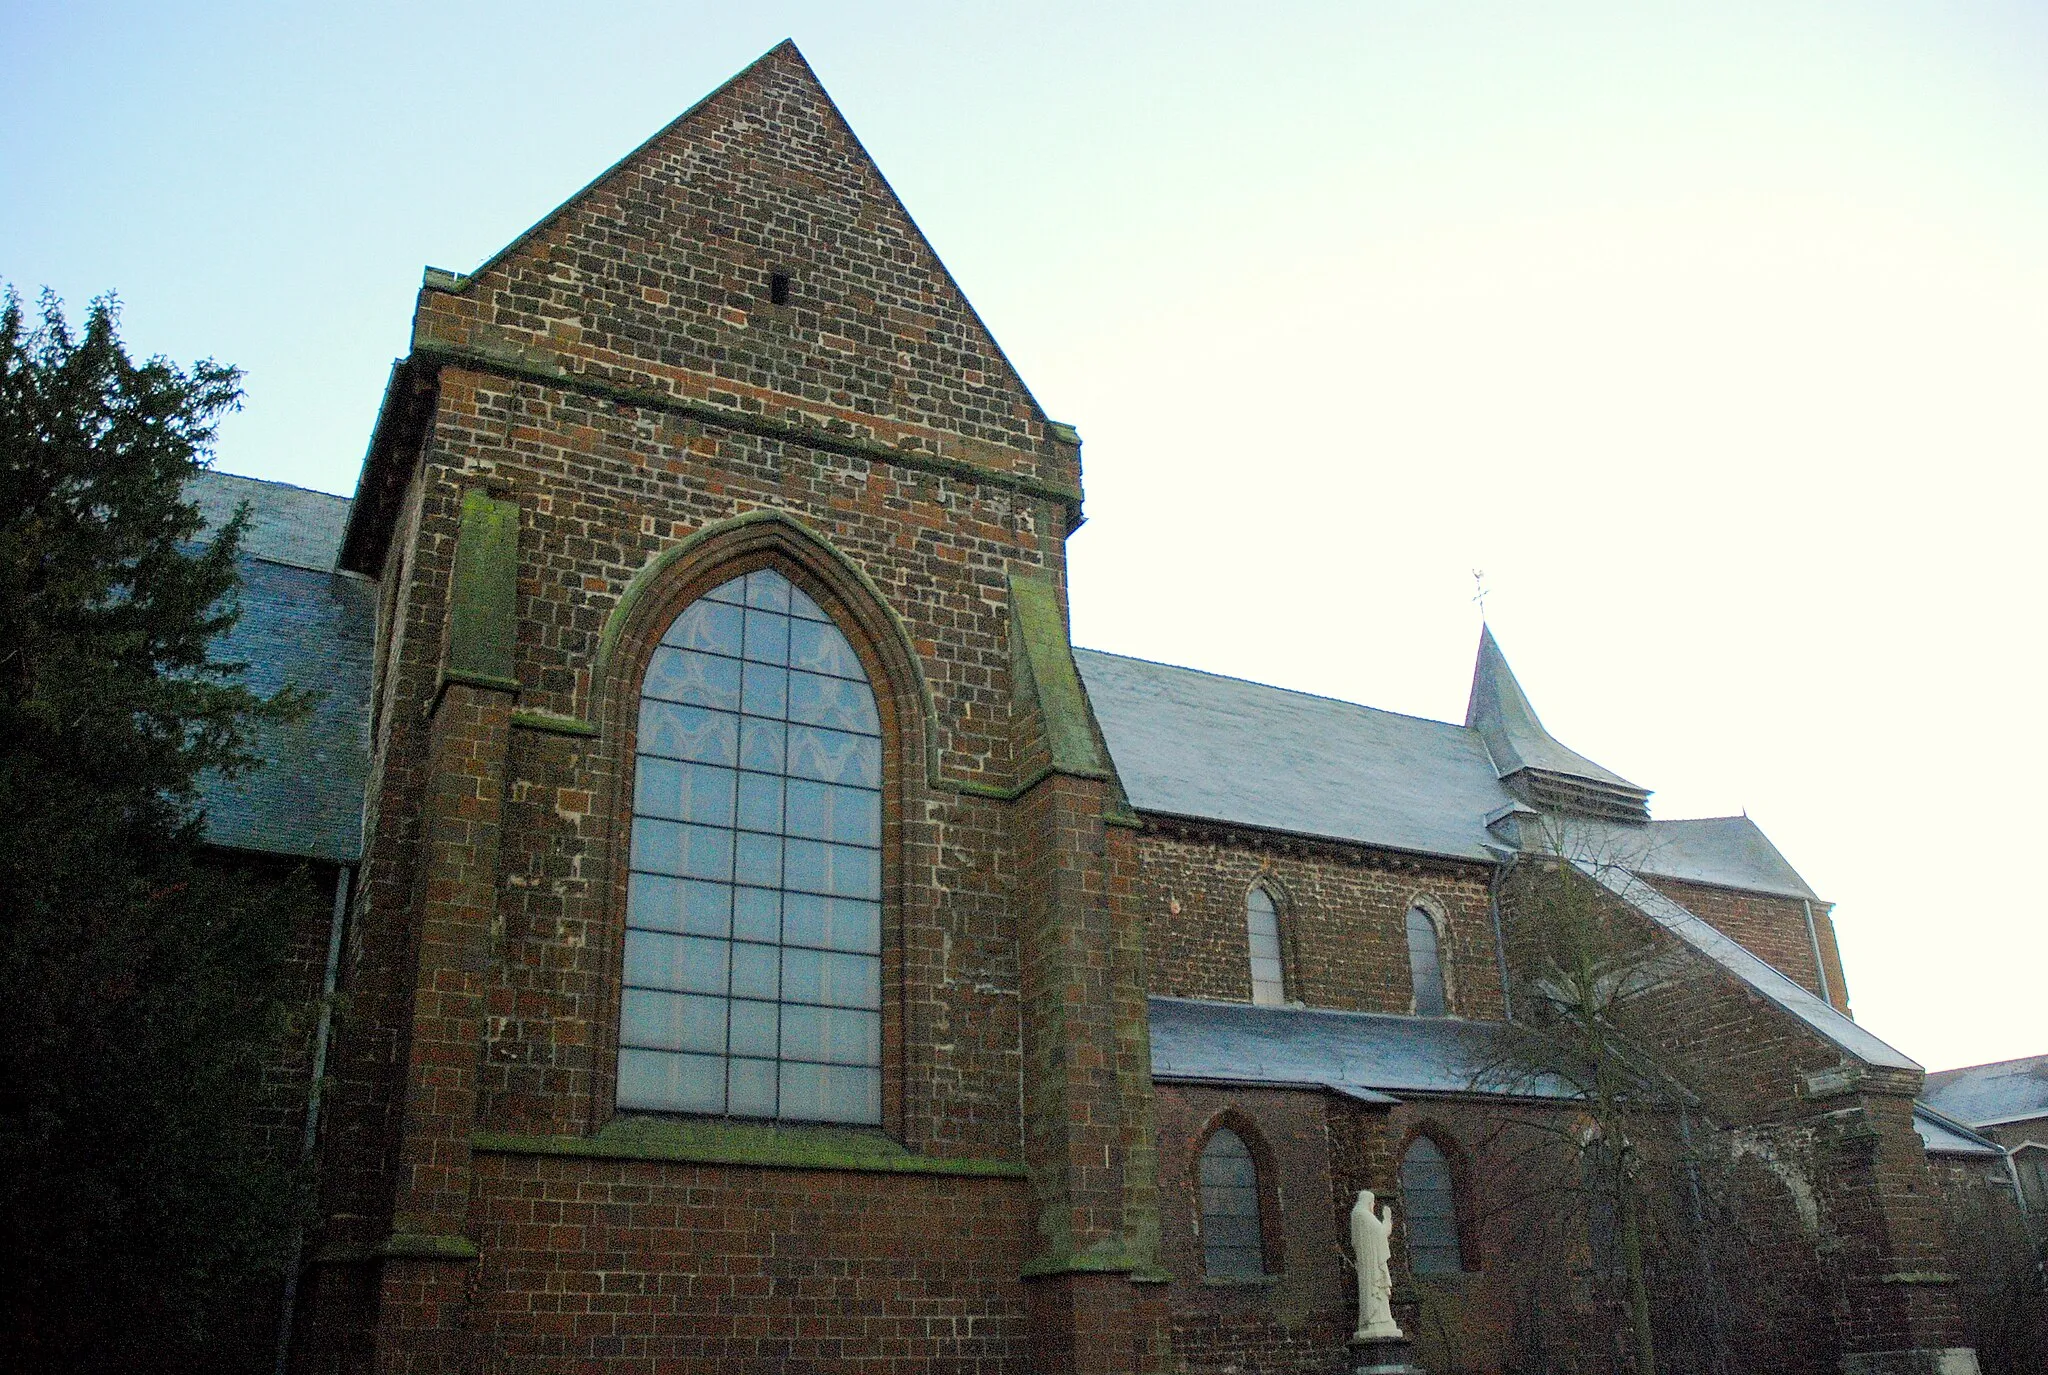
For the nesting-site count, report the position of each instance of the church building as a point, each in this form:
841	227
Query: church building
763	942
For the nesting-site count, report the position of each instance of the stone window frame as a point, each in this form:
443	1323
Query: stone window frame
1283	924
1463	1197
1434	908
1272	1232
713	558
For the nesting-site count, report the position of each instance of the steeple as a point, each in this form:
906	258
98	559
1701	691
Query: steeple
1536	767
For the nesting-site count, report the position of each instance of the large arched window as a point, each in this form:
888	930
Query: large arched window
1430	1197
1425	965
753	980
1262	924
1233	1237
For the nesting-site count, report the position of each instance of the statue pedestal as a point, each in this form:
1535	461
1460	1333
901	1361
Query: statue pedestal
1382	1356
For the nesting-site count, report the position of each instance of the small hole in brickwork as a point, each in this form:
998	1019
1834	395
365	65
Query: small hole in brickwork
778	288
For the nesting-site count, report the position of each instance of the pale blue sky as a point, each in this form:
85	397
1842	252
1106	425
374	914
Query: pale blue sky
1715	334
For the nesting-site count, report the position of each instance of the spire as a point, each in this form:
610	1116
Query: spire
1535	765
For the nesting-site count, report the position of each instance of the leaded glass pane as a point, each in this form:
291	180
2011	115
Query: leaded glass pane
1430	1218
682	732
753	914
1233	1246
1262	927
1424	966
672	1083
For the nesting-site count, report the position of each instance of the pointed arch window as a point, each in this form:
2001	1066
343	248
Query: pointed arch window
1425	965
1262	925
1430	1196
1233	1235
753	982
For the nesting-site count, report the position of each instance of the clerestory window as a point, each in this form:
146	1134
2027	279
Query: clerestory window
1425	965
753	980
1262	924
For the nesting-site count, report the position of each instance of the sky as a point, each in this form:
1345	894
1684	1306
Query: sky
1712	335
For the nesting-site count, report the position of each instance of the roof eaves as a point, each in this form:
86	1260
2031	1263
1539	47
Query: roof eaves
1942	1119
1483	855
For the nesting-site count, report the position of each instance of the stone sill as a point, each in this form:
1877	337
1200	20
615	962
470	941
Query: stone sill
699	1142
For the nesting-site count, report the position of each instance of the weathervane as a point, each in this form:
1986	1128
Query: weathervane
1479	592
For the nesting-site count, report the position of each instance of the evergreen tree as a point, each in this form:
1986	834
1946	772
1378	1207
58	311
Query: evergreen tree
138	982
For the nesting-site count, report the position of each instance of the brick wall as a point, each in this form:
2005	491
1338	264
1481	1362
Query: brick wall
632	1265
1771	928
1343	915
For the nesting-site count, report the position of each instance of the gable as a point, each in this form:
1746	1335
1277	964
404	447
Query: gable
658	275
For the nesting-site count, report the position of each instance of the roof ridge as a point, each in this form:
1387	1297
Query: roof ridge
275	482
1276	687
1992	1064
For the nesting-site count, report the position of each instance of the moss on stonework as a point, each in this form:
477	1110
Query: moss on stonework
548	723
1044	670
426	1246
483	595
746	1143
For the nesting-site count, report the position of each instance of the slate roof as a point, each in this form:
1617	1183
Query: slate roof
1515	738
1988	1095
1726	851
1186	743
1194	744
305	626
1366	1055
287	524
1941	1135
1768	983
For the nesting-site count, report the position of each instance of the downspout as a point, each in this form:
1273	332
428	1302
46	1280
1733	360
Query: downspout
1500	945
322	1030
1716	1352
1820	967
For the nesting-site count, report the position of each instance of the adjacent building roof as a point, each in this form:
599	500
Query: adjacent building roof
304	626
1991	1095
1365	1055
287	524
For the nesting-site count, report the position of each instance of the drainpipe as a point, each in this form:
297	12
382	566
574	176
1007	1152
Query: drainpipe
1500	945
322	1031
1820	967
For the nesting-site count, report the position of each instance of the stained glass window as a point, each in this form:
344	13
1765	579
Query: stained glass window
1263	925
1432	1210
1425	965
1232	1244
754	921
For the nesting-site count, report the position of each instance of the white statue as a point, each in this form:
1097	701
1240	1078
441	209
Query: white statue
1372	1242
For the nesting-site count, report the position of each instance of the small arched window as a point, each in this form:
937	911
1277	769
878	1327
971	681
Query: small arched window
1262	923
1425	965
1233	1239
753	972
1431	1201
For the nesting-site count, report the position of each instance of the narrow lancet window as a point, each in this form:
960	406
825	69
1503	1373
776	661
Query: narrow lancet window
1262	921
1425	965
1432	1210
1233	1244
753	972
